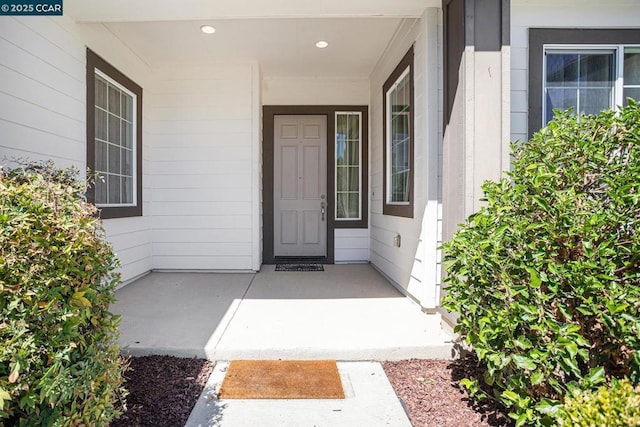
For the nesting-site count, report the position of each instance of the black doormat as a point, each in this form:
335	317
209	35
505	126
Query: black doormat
299	267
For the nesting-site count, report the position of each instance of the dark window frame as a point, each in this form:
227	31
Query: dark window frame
95	62
539	37
406	210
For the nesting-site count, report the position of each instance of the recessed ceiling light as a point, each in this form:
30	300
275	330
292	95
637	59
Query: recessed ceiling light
207	29
321	44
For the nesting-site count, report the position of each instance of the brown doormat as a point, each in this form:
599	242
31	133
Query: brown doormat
282	379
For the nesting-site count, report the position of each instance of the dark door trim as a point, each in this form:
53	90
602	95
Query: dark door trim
268	114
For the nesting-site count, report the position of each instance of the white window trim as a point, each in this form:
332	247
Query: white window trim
404	74
134	130
618	51
360	167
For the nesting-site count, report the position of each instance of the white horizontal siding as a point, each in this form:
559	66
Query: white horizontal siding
183	210
201	222
315	91
218	235
527	14
43	109
351	244
203	140
199	167
212	126
201	262
203	168
412	266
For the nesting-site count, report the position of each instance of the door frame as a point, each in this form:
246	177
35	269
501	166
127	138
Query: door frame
268	114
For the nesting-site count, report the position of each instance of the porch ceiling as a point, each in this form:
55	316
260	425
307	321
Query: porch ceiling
284	47
170	10
279	34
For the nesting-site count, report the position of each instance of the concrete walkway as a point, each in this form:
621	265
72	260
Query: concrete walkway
369	402
347	312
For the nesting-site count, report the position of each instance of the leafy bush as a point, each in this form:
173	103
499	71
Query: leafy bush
546	276
59	360
610	406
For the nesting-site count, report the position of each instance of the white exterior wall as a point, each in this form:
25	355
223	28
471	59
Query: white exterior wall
527	14
351	245
43	109
315	91
206	167
413	267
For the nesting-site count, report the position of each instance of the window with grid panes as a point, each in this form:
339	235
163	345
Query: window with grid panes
589	79
348	170
114	140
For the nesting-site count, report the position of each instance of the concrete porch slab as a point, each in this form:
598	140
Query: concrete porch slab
347	312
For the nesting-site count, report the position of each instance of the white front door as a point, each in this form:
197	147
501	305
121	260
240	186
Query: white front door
300	186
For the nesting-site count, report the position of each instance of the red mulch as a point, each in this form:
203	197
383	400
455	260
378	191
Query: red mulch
162	390
431	395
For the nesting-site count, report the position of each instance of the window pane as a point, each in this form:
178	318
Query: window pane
342	202
348	205
101	156
632	66
127	190
101	124
341	125
101	190
354	153
562	69
127	134
353	206
342	178
127	107
399	187
560	99
592	101
114	159
596	69
350	152
114	129
101	92
631	93
127	162
353	180
348	178
114	100
354	126
341	150
114	189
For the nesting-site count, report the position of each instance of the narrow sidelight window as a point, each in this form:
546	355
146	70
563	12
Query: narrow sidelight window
348	166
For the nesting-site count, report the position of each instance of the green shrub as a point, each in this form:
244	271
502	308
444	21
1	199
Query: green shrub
610	406
59	360
546	276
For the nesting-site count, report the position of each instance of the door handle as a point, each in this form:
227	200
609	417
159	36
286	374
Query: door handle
323	206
